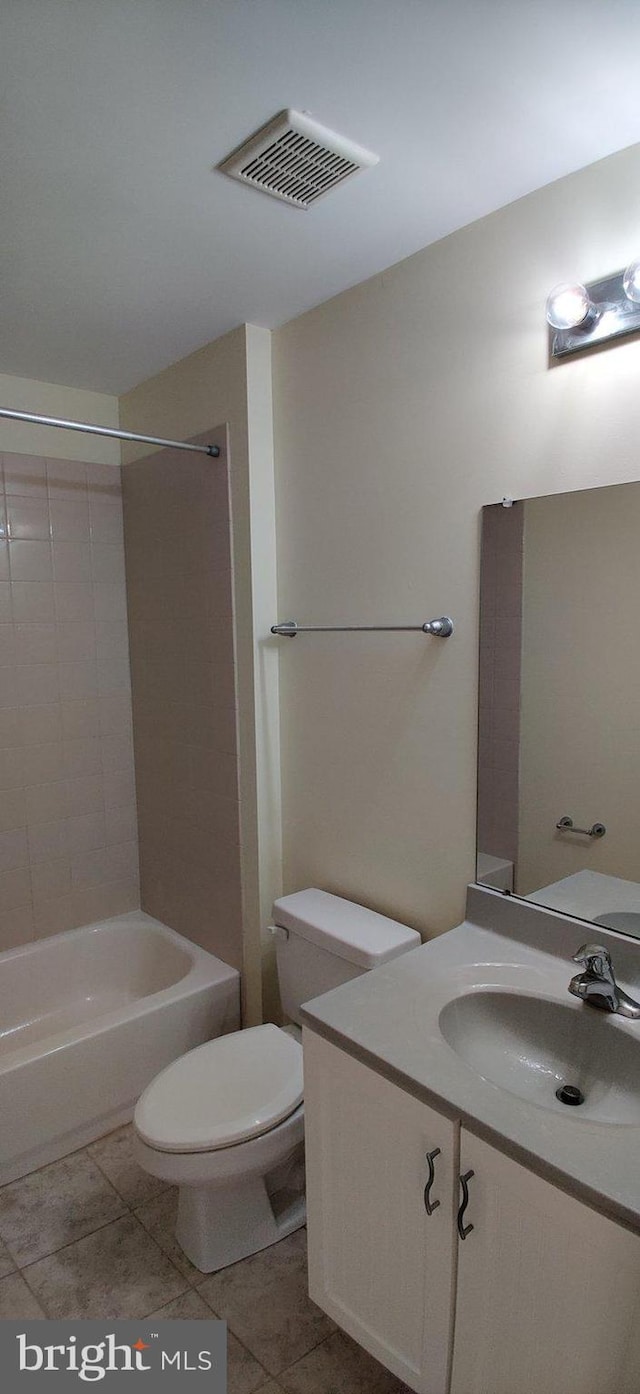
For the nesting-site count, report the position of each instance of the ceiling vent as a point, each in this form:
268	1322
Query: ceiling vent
296	159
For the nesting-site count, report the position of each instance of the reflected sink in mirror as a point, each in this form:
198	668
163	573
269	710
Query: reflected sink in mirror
532	1046
627	921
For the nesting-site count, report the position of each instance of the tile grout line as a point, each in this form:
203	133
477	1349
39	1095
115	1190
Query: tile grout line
131	1207
70	1243
42	1305
267	1377
207	1304
286	1368
129	1213
79	1151
243	1342
126	1214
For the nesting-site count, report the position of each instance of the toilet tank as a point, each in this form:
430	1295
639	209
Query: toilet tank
323	940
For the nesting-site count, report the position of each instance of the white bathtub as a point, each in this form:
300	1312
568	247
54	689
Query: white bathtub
87	1018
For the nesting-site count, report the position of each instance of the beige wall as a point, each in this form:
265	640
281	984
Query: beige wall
229	381
580	752
176	514
70	403
400	408
68	837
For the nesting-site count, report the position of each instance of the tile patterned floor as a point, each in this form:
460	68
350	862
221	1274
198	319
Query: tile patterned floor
92	1236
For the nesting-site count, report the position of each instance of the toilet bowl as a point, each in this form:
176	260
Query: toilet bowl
225	1122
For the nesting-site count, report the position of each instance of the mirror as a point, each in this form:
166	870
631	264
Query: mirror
559	710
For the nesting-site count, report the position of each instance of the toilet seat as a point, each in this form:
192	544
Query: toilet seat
222	1093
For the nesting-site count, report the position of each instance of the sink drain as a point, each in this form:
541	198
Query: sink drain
570	1094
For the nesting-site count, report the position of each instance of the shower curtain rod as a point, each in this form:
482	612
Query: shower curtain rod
212	450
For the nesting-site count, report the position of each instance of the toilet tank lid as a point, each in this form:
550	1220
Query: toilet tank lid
343	928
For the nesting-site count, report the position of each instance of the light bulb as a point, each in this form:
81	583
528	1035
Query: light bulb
631	282
568	306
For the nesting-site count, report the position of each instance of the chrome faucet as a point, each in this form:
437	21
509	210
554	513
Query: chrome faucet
597	984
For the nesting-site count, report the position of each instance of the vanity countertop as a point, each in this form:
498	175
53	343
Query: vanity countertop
589	894
389	1019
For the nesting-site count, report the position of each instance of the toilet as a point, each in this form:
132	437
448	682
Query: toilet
225	1122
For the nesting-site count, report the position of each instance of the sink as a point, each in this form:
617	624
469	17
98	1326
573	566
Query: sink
531	1046
626	920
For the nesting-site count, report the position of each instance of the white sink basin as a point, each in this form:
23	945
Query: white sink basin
626	920
532	1046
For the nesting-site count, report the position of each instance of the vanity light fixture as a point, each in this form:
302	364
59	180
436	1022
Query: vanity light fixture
631	281
583	316
569	307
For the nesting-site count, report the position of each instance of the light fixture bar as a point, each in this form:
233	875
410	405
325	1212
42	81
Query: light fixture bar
616	316
213	450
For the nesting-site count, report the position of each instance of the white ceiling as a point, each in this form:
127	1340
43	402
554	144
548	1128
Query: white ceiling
120	249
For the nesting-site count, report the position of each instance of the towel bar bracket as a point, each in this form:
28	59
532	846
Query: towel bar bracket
566	825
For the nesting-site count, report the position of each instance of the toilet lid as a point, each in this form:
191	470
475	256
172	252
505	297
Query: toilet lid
226	1091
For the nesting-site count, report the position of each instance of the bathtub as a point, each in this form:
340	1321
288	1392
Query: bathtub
87	1018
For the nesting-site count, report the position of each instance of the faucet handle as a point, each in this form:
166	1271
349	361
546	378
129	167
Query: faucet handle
595	958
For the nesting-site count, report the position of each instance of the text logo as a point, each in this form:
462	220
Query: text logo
164	1355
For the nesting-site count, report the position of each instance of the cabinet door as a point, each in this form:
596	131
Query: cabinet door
548	1295
379	1264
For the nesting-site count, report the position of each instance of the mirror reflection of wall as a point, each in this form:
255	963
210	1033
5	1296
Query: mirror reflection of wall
559	702
499	707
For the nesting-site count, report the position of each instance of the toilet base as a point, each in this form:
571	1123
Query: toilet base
219	1225
235	1200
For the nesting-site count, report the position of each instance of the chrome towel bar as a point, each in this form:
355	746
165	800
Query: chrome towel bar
565	825
441	628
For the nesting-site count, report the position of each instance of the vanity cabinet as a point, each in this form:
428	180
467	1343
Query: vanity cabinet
379	1264
541	1297
548	1290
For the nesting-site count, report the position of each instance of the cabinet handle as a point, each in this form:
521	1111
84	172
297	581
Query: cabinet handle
429	1204
464	1230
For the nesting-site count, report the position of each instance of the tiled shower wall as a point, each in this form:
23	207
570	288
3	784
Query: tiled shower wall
68	836
177	527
